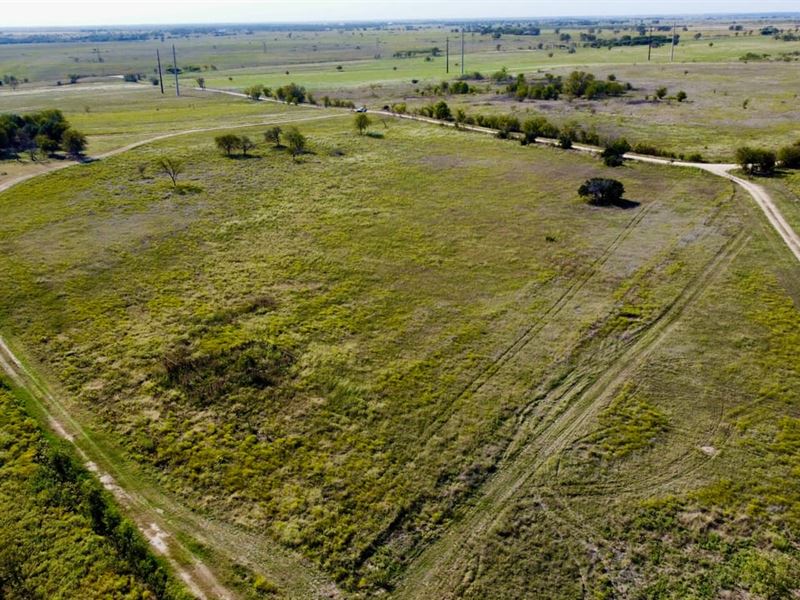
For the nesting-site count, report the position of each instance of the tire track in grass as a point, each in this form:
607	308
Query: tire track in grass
436	571
485	375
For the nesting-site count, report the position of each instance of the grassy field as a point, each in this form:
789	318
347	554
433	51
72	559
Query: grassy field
413	363
314	328
684	485
114	115
729	105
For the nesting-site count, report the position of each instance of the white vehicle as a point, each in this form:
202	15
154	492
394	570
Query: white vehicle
361	109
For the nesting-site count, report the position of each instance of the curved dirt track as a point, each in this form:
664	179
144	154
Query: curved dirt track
758	193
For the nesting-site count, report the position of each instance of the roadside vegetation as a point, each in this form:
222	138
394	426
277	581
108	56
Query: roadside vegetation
60	534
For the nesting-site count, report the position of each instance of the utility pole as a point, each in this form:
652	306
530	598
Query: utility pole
462	50
160	74
175	70
672	50
649	43
447	53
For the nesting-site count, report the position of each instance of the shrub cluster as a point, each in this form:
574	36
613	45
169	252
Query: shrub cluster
756	161
789	156
46	131
614	151
58	520
229	142
440	111
290	93
760	161
337	102
578	84
602	192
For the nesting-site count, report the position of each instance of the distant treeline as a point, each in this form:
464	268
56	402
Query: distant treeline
593	41
413	52
52	38
498	30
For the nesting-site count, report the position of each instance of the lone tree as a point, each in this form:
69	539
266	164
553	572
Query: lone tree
681	96
614	151
74	142
171	167
362	122
441	111
602	192
756	161
246	144
661	93
273	135
227	143
295	141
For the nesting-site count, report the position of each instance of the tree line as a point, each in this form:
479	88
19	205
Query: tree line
290	93
45	132
763	162
57	519
295	142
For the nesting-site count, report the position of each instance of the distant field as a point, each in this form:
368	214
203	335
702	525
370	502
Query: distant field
115	114
360	65
323	76
367	55
729	105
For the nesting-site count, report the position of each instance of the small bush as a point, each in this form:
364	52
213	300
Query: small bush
614	151
756	161
789	156
602	192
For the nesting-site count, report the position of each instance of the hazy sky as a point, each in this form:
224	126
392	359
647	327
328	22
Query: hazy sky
68	12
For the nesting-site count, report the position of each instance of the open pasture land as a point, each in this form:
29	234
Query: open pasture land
728	105
680	486
518	53
114	115
377	54
347	352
